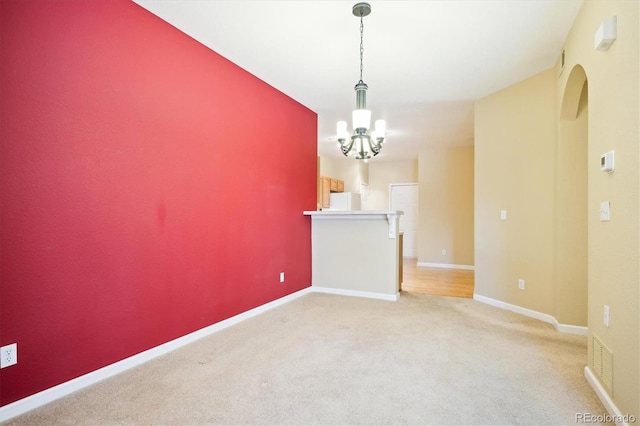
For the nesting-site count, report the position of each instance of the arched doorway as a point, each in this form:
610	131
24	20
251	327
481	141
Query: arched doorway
571	202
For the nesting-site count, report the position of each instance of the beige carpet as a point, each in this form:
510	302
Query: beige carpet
325	359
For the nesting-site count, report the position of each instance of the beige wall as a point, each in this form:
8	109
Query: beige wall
514	150
613	123
521	166
446	208
351	171
384	173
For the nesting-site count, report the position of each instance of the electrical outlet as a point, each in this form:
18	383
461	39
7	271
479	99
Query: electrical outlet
606	315
281	277
521	284
444	252
8	355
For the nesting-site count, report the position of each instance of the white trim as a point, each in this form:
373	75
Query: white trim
46	396
570	329
404	184
517	309
562	328
599	390
350	214
392	185
446	265
356	293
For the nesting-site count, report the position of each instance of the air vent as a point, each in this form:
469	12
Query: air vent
602	363
562	62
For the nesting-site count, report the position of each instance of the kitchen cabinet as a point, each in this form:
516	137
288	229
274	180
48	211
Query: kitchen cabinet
327	185
337	185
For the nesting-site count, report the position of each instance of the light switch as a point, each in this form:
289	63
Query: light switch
605	211
503	215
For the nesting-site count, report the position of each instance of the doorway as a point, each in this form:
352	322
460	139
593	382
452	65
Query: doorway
571	202
404	196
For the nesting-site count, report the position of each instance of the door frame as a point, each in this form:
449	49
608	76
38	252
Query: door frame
417	185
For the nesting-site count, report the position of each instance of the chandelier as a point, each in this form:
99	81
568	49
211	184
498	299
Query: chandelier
361	143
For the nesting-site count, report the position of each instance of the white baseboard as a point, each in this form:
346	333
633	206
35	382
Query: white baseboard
41	398
356	293
562	328
616	415
446	265
570	329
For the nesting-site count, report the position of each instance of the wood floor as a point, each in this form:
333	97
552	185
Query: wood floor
436	281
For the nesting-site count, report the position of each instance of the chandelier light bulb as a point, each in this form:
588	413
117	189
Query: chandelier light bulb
342	131
361	118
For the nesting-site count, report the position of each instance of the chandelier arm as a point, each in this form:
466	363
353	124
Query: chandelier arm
346	147
362	135
375	146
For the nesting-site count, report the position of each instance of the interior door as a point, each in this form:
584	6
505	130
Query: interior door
405	197
364	196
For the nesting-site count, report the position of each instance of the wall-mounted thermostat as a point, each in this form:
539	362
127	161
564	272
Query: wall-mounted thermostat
607	162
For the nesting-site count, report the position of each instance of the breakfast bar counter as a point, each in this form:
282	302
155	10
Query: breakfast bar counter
356	252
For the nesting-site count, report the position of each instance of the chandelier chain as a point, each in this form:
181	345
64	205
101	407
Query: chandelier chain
361	42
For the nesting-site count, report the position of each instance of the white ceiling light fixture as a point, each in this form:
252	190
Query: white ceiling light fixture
361	143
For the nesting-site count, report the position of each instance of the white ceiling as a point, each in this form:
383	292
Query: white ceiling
425	61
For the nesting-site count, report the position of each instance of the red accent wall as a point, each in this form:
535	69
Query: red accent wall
149	188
